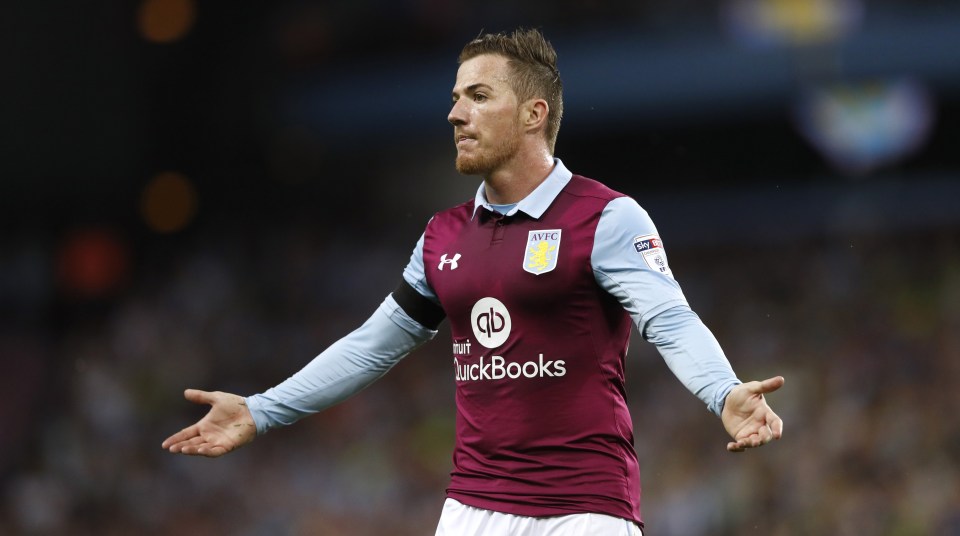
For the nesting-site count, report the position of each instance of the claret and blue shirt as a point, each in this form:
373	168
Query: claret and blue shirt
541	297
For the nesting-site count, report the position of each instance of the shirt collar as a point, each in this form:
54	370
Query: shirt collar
537	202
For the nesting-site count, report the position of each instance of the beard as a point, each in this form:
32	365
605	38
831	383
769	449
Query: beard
485	160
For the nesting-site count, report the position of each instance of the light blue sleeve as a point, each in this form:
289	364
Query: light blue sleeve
416	276
342	370
640	279
629	262
693	354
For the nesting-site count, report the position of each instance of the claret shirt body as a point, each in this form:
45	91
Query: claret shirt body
543	426
542	423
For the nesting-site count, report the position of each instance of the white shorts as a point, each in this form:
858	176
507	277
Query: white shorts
459	519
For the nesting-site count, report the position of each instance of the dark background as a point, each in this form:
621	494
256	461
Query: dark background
207	194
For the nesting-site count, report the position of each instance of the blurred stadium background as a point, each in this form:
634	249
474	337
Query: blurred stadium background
206	194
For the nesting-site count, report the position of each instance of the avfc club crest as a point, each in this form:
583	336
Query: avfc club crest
542	250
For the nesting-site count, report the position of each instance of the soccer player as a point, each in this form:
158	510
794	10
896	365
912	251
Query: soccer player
542	276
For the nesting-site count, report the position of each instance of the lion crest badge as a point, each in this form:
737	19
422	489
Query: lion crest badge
542	250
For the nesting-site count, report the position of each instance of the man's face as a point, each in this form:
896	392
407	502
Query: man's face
484	116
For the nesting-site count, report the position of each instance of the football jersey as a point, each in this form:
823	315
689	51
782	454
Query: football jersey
543	426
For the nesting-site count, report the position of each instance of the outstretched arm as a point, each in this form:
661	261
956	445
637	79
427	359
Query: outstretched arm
630	263
226	427
340	371
344	369
747	417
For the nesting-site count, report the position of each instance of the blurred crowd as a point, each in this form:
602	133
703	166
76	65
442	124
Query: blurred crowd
166	227
866	329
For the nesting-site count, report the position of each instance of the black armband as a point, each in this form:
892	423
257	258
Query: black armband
417	307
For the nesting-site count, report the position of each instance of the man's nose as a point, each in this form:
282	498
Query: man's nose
457	115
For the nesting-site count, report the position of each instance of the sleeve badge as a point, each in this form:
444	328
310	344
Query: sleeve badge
651	248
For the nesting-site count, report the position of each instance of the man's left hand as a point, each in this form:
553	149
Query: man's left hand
747	417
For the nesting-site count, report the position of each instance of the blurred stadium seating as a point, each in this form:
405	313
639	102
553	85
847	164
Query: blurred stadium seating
201	194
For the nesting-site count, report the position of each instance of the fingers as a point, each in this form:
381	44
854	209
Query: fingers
186	434
776	425
771	430
199	397
175	442
188	437
768	386
195	446
199	439
743	392
759	439
752	422
203	449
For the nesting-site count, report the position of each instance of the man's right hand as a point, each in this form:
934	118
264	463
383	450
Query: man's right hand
226	427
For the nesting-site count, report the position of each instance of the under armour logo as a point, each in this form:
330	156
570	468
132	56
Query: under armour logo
452	262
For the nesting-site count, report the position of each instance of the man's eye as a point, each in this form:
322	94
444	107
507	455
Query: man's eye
479	97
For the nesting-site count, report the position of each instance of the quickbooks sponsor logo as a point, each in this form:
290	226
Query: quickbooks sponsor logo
497	368
490	321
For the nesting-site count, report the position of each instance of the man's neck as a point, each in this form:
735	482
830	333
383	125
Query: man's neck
513	183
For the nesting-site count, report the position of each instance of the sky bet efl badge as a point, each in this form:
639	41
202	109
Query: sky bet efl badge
651	248
543	247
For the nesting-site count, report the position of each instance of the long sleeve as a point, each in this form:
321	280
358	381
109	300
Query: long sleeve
693	355
629	262
342	370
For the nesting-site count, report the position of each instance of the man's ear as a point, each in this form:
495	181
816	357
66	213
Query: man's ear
534	114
